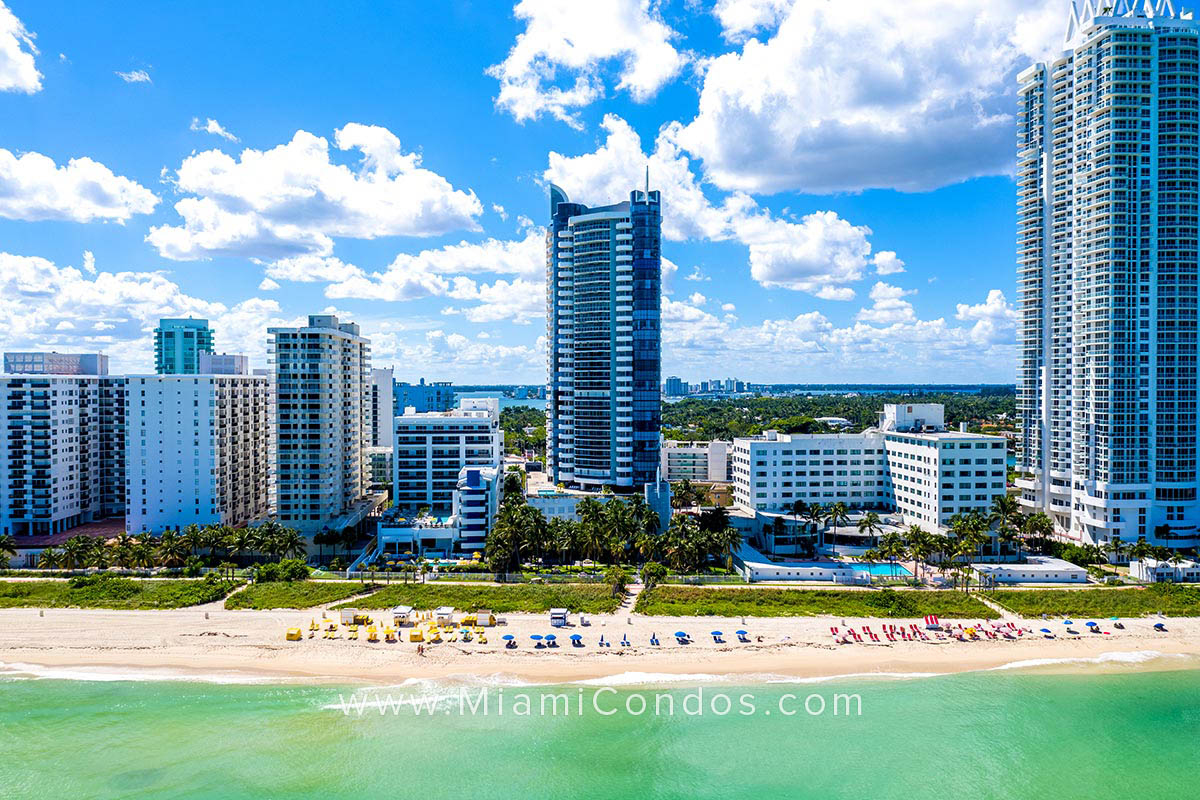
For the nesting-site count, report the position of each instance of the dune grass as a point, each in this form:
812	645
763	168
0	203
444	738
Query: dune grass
1171	600
112	592
687	601
295	594
591	599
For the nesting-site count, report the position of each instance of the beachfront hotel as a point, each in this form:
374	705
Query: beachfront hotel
197	451
909	463
62	452
322	428
382	409
178	344
603	294
1107	273
433	447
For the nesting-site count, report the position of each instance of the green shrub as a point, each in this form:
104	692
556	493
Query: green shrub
294	594
686	601
289	569
108	591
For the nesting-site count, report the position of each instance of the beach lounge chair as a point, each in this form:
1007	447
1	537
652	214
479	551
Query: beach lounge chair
353	633
833	631
389	635
1159	627
312	626
625	641
654	640
482	638
372	634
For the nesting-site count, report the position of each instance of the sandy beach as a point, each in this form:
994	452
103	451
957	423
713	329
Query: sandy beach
251	644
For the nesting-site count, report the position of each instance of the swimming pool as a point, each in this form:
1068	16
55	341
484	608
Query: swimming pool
884	570
878	568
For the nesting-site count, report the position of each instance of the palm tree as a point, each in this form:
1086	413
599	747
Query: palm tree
815	516
1140	550
172	549
96	555
194	538
892	548
870	524
243	540
1115	548
123	546
920	545
838	515
74	551
144	550
1006	517
1037	525
591	520
8	549
50	558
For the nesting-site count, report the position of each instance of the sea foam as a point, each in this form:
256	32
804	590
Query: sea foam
105	674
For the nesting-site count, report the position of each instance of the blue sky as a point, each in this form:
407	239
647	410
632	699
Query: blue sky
828	216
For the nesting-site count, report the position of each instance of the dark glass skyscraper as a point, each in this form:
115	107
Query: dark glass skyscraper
604	337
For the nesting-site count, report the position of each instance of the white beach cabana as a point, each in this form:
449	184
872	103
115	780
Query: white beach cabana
558	617
444	614
402	615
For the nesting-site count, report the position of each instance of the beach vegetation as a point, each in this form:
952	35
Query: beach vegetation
114	592
689	601
1172	600
289	569
294	594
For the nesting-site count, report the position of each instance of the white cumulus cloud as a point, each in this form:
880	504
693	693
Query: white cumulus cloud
846	96
33	187
292	199
581	39
18	71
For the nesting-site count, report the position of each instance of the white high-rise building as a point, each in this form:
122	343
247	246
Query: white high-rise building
1107	169
910	463
695	461
62	451
383	393
197	451
432	448
322	425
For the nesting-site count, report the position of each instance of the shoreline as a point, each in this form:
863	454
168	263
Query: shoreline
249	647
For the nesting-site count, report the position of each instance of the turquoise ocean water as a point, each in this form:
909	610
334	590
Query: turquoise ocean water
998	734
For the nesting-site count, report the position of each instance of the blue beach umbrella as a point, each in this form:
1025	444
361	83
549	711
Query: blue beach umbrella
550	637
537	637
1067	622
1114	618
1046	630
741	633
575	637
508	637
1090	624
680	635
717	633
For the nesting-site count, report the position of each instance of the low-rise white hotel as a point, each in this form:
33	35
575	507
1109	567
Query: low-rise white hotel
909	463
696	461
198	451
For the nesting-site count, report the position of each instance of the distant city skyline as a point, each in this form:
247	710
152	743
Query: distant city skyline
208	184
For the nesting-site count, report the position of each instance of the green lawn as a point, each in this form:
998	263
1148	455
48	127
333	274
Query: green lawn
686	601
294	594
592	599
1172	600
112	592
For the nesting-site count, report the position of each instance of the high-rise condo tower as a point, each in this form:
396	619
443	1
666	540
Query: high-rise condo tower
603	288
1106	274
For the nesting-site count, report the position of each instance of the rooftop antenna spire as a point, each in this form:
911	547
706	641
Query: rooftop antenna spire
647	180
